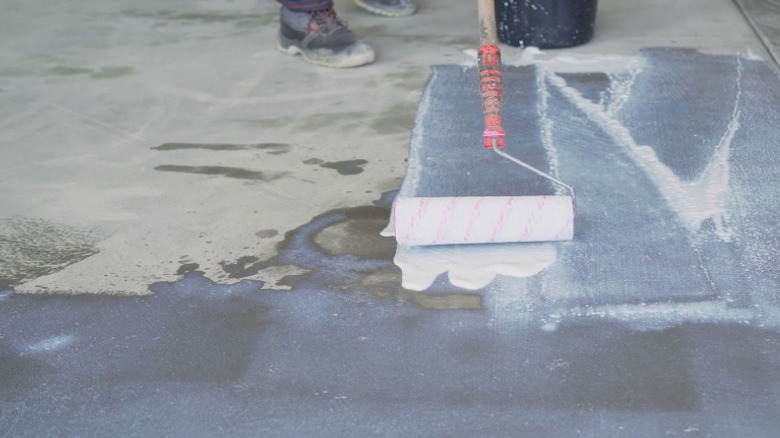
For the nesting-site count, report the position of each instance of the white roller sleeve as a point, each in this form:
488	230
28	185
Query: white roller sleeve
482	219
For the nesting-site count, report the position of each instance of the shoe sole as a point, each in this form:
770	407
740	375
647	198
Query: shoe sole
355	61
401	13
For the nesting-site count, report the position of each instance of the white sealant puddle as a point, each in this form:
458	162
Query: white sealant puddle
471	266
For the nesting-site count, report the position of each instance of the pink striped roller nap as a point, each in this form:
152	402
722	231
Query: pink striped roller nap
482	219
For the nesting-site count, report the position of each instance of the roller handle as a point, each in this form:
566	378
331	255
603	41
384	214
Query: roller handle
490	75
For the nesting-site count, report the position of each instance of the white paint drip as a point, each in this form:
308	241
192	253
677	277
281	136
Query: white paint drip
694	201
471	266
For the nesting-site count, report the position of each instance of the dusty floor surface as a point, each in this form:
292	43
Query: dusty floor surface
165	152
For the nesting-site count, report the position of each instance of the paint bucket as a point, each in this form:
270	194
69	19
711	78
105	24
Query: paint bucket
546	24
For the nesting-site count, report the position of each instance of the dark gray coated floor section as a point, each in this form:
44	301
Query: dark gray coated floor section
450	153
347	352
631	245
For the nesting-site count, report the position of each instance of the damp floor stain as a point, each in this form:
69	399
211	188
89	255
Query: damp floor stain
228	172
357	234
271	148
267	233
189	331
347	167
342	251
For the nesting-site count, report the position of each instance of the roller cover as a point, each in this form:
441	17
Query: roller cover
482	219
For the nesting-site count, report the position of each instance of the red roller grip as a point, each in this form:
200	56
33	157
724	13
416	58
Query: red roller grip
490	89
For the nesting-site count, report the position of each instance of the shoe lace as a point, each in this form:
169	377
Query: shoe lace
326	20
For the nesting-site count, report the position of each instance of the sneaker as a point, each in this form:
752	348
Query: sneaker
389	8
321	38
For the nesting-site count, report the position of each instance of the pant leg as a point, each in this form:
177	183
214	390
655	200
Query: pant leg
306	5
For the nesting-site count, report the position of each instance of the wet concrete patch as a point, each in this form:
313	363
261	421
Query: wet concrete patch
342	250
244	266
358	234
187	268
192	330
346	167
228	172
267	234
600	377
19	374
342	241
34	247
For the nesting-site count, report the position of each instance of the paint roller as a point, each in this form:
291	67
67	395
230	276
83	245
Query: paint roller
486	219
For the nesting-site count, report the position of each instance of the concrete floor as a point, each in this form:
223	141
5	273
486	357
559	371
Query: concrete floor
190	243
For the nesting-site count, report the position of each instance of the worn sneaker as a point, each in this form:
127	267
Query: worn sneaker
323	39
389	8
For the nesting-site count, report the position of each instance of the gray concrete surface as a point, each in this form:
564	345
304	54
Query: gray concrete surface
764	16
166	149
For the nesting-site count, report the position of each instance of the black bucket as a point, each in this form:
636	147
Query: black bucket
546	24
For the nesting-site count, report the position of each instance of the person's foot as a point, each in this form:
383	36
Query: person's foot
321	38
389	8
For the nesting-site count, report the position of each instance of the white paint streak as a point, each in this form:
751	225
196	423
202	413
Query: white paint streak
659	315
471	266
619	91
546	128
693	201
51	344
